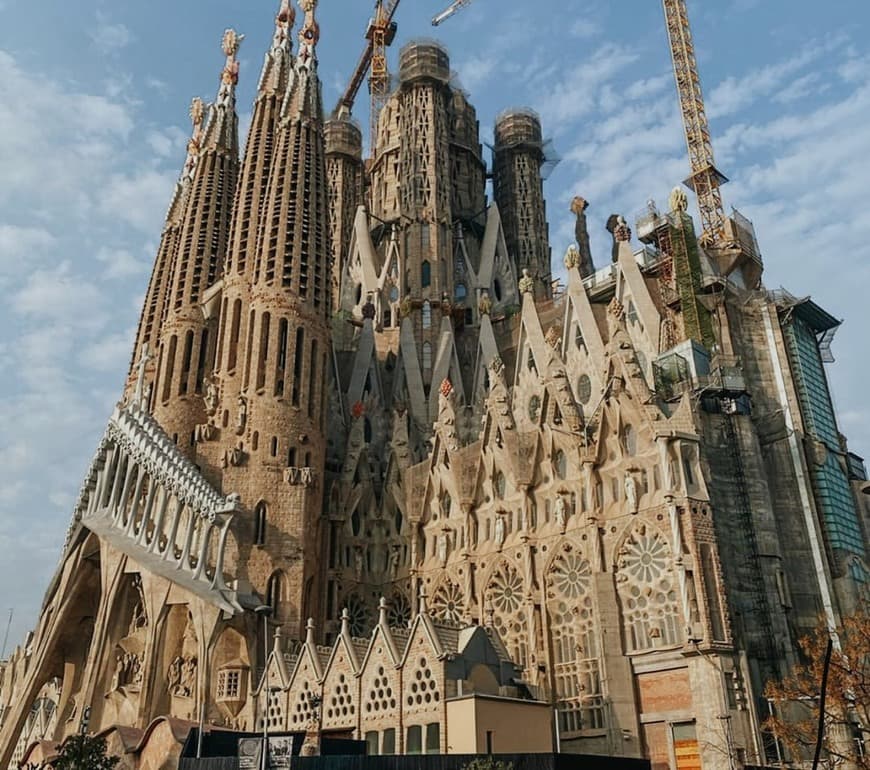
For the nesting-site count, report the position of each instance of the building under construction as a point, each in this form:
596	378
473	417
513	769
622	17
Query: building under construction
375	475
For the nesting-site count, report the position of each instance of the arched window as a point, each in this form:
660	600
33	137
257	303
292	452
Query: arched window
576	658
499	485
275	593
260	523
560	463
506	592
235	325
648	591
461	292
425	274
427	315
427	356
186	356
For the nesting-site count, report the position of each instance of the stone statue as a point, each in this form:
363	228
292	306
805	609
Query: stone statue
484	304
581	233
443	548
572	257
395	555
678	201
560	512
141	366
500	531
174	674
630	492
211	397
470	528
358	563
527	283
242	416
621	232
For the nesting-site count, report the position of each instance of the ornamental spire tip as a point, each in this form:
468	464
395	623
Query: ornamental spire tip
230	45
310	32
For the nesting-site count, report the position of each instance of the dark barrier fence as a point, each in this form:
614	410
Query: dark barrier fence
436	762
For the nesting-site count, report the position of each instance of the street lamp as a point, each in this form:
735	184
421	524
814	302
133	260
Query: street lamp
265	610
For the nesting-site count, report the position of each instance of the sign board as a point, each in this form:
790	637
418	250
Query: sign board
249	753
280	753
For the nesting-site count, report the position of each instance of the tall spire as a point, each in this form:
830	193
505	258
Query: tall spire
279	57
275	316
230	76
154	307
303	98
309	34
186	349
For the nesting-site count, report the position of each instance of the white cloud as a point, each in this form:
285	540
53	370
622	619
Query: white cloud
138	198
21	247
108	37
734	94
120	263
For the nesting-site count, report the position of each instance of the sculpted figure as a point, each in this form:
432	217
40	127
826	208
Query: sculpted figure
560	512
631	493
500	531
526	283
211	397
484	306
581	233
394	562
443	547
358	563
679	201
619	229
242	416
173	676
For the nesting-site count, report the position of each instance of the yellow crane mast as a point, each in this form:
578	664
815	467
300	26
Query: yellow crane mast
706	179
380	33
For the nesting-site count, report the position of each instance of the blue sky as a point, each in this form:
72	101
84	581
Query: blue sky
93	105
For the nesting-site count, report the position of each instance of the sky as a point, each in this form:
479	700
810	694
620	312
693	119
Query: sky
94	98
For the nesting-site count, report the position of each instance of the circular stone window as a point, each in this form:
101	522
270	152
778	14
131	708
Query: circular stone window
584	389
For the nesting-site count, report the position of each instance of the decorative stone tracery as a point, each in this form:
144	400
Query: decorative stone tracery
648	590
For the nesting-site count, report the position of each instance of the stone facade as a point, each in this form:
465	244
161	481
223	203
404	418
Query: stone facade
356	387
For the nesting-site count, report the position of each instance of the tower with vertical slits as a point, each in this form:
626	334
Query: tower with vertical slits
519	192
274	352
186	342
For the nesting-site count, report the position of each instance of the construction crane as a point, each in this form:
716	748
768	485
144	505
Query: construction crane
706	179
455	7
380	33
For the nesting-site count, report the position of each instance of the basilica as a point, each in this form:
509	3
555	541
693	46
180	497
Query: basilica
373	458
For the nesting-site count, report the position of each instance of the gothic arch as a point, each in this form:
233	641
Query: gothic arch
447	602
647	588
505	594
574	637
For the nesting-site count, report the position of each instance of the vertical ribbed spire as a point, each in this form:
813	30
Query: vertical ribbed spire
275	312
230	75
154	307
187	338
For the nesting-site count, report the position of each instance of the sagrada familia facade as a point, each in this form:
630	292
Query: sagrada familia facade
360	403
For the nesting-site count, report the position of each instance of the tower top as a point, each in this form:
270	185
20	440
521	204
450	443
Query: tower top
283	22
230	76
310	32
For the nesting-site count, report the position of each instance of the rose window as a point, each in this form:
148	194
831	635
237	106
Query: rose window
506	590
399	612
570	575
447	604
647	591
358	616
